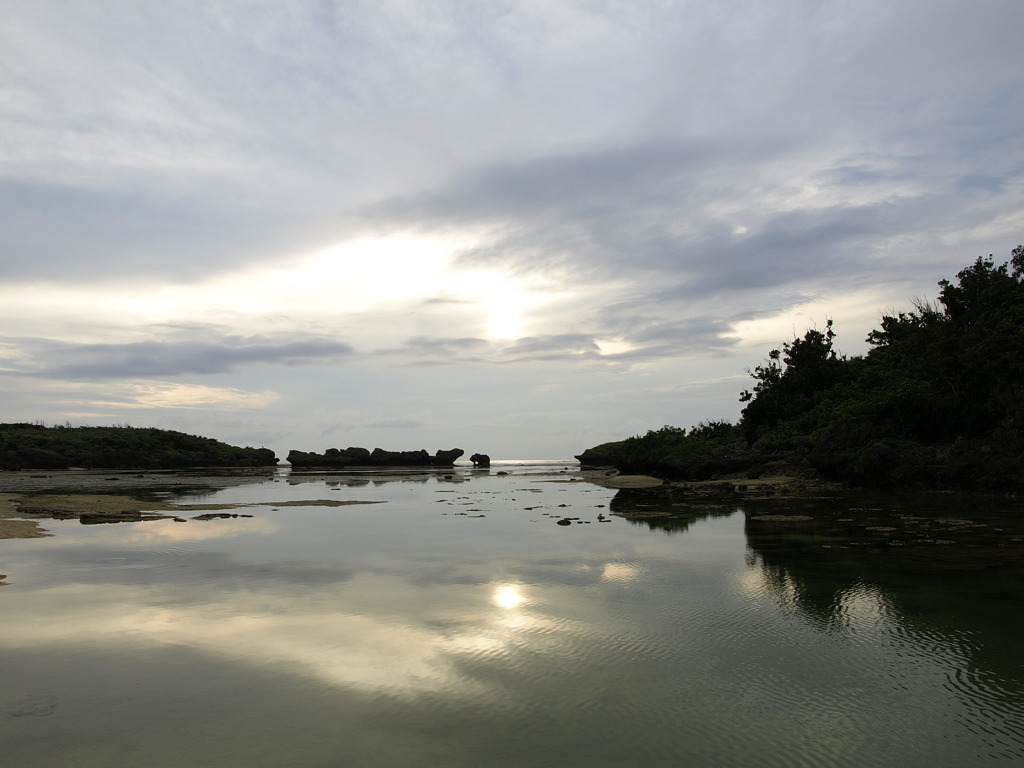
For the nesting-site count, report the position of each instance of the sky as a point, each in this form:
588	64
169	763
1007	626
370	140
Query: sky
520	228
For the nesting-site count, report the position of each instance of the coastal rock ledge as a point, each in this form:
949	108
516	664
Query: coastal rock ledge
361	457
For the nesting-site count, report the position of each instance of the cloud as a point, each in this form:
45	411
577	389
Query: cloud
552	347
156	394
704	217
61	233
154	359
443	347
393	422
563	210
626	332
204	569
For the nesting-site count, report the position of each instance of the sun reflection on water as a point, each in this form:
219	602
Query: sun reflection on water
508	596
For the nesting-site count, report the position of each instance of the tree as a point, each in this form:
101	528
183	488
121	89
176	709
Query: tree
966	358
809	369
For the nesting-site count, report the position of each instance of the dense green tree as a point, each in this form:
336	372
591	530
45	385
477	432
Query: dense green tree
939	398
39	447
965	359
808	371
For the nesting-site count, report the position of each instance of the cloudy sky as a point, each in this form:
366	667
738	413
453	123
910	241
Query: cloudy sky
511	226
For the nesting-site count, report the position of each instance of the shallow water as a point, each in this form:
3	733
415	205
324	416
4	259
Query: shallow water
456	624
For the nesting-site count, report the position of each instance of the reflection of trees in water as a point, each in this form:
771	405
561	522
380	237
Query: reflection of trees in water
200	488
830	600
664	508
927	575
839	576
378	478
805	564
145	485
821	553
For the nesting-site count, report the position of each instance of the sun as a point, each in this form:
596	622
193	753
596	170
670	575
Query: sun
505	325
503	301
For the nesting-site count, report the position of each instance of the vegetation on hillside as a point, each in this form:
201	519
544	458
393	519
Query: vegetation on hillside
34	446
938	400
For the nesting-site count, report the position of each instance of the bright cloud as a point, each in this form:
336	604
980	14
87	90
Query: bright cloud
169	395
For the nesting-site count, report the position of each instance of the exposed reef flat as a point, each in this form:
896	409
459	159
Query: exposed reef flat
777	486
91	509
174	483
16	529
146	496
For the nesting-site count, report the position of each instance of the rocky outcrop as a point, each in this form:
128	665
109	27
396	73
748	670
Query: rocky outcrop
334	458
446	458
733	459
605	455
481	460
842	453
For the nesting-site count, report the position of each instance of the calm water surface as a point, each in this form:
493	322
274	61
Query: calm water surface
456	624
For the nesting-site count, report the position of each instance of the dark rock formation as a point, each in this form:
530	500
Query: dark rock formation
605	455
122	516
481	460
360	457
722	460
446	458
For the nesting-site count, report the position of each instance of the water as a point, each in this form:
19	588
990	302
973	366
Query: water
457	624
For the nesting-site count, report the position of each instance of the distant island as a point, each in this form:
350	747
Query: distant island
35	446
334	458
937	402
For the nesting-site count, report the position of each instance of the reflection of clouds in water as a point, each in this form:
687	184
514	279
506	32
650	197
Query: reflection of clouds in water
444	574
184	575
355	650
576	572
199	530
258	627
409	626
485	644
559	571
335	634
620	572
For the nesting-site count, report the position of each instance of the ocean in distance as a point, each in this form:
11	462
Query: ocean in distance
451	620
